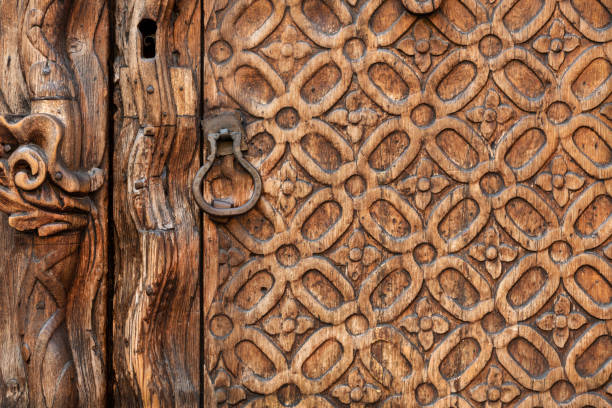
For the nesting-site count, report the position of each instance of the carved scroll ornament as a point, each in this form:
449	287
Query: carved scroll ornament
43	189
37	189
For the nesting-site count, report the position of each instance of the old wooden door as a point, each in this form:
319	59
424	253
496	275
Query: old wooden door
434	221
415	208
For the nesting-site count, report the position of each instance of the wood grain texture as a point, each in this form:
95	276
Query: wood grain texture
435	228
53	130
157	301
435	225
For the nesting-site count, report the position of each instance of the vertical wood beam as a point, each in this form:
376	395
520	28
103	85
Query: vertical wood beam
157	301
53	129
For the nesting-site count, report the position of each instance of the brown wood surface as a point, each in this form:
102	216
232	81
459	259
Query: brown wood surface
435	223
53	132
435	226
156	320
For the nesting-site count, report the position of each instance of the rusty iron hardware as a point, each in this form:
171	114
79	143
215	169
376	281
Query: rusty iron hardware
224	137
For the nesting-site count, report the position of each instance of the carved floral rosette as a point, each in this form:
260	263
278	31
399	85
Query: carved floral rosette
408	146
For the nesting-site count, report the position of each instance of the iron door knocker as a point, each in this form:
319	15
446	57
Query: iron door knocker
235	136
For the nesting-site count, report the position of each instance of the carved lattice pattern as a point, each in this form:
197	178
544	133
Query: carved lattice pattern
436	216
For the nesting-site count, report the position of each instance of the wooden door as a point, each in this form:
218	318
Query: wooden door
434	223
424	187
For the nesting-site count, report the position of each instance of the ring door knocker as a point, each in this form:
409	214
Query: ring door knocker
226	133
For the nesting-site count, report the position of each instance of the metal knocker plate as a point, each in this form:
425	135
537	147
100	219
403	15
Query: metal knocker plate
225	128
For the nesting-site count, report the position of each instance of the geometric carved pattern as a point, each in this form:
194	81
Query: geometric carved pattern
436	221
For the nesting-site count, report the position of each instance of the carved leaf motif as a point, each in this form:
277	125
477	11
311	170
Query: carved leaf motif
38	191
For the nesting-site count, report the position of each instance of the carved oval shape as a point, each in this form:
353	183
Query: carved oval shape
392	146
254	290
594	285
533	362
321	151
253	85
323	81
491	183
220	51
389	218
526	217
522	13
257	225
527	287
461	17
595	356
459	218
457	149
322	17
253	17
459	358
221	325
458	288
260	147
287	118
594	12
594	216
321	220
322	359
424	253
390	357
426	393
388	81
390	288
593	76
528	357
355	186
356	324
457	80
562	391
423	115
386	15
289	395
538	290
524	79
594	147
490	45
288	255
558	112
525	148
251	356
322	289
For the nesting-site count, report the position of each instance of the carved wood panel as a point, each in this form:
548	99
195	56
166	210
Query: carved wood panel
53	133
435	225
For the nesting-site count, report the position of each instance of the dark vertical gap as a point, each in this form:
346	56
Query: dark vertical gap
201	157
110	371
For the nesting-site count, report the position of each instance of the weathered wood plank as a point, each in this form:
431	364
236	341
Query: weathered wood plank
157	298
53	130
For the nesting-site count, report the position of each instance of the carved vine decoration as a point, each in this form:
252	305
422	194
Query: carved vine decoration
43	189
37	189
